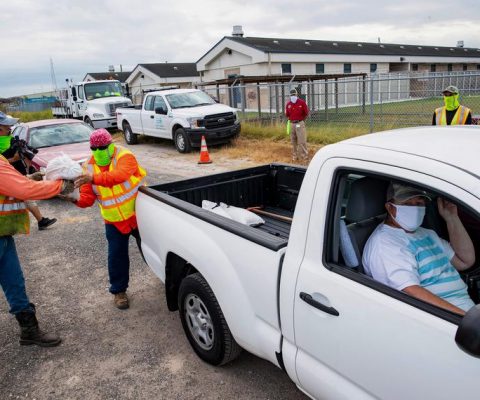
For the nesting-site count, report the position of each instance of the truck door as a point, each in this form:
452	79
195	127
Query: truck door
160	118
81	101
148	116
356	338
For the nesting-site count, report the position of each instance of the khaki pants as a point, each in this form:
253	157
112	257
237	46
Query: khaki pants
298	136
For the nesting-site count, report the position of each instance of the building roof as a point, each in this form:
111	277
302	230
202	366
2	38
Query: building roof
172	70
308	46
120	76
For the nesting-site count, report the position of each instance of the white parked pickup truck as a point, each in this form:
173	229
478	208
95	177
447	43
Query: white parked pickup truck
283	290
183	115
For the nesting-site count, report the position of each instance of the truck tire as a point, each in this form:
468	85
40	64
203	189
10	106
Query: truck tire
130	137
182	141
204	323
89	122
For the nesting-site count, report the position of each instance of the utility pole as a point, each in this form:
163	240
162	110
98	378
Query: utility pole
53	78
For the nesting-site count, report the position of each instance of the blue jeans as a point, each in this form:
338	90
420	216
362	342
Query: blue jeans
11	276
118	259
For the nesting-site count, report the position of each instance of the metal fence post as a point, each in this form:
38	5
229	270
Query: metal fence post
326	100
276	102
259	102
335	88
371	104
364	93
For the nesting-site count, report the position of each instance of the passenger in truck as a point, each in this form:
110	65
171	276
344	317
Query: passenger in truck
415	260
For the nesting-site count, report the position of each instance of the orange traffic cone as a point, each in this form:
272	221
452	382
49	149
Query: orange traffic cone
204	156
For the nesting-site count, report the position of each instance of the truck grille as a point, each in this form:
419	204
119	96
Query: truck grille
112	107
219	120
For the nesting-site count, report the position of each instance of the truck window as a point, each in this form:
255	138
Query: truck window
81	92
159	103
358	213
149	103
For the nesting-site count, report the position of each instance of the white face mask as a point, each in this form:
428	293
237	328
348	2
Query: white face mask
409	217
293	99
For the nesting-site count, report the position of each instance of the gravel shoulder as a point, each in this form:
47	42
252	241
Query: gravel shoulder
140	353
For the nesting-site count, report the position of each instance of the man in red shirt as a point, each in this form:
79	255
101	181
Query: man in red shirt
112	177
296	112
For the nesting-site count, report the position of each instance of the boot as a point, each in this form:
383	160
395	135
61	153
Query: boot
30	333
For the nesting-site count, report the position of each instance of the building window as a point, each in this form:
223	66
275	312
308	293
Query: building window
433	67
373	68
414	67
449	67
347	68
286	68
319	68
465	67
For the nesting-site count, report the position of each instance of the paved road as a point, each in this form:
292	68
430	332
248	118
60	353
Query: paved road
140	353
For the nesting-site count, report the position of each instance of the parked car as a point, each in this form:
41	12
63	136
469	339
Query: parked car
182	115
283	290
54	137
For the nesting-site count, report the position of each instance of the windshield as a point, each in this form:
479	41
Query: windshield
103	89
189	99
56	135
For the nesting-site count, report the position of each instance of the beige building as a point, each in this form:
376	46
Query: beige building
254	56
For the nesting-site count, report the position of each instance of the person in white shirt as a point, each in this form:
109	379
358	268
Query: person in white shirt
415	260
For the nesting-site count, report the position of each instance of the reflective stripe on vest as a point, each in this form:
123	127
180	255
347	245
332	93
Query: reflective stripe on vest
118	202
13	215
459	118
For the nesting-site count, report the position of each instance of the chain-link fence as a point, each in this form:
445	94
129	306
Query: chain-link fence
378	101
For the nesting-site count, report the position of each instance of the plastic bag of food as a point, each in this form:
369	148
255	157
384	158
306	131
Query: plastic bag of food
63	167
243	216
215	208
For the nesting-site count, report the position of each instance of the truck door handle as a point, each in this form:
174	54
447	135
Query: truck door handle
307	298
152	116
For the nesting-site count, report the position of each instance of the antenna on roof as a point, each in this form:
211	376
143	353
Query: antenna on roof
379	41
52	77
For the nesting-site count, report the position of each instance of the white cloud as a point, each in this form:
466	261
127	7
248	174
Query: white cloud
88	36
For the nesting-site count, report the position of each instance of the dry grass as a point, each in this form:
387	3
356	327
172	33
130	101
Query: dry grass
260	151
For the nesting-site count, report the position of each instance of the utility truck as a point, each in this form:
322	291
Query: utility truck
182	115
284	290
94	102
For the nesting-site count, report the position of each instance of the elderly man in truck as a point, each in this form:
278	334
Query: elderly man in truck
415	260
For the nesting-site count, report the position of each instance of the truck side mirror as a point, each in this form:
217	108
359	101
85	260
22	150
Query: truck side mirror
160	110
468	332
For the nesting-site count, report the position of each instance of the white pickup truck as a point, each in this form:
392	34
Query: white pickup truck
283	290
182	115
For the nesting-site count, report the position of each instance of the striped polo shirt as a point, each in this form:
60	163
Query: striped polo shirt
400	259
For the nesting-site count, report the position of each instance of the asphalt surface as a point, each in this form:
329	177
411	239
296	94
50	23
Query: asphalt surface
140	353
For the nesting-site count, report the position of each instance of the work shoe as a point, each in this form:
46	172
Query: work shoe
30	333
121	300
44	223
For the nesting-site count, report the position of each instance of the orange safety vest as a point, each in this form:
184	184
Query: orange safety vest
117	203
459	118
13	215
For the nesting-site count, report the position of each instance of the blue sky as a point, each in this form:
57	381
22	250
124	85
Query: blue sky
88	36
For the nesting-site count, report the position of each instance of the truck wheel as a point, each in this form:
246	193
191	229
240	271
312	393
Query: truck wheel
204	323
182	141
130	137
89	122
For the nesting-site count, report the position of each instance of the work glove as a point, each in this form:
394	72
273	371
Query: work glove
36	176
67	187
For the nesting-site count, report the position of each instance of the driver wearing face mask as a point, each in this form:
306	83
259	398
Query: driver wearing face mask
452	113
405	256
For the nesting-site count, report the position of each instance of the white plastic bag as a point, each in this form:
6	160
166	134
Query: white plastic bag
63	167
243	216
215	208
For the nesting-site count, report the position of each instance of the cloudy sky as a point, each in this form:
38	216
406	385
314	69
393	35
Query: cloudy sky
89	35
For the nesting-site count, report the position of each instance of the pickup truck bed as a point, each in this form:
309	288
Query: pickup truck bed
274	187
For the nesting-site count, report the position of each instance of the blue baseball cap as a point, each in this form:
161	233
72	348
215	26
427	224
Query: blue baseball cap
7	119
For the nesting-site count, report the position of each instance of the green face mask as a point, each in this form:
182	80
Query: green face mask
5	142
451	102
102	157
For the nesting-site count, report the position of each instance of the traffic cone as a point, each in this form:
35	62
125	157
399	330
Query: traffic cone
204	156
